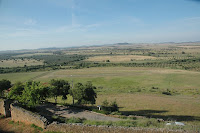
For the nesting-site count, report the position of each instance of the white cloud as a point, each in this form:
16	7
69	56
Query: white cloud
30	22
76	27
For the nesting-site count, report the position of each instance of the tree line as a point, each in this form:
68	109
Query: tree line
33	93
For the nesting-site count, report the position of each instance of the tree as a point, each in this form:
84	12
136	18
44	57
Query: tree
59	88
16	91
29	94
84	94
4	85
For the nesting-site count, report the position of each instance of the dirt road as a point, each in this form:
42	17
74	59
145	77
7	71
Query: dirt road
48	110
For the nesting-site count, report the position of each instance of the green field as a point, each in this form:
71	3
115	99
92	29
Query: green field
132	88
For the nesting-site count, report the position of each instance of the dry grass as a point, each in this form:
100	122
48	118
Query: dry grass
189	46
28	55
20	63
119	58
7	126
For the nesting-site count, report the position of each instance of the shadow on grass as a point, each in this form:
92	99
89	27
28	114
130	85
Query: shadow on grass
1	131
155	114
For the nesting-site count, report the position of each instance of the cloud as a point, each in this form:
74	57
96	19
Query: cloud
76	28
30	22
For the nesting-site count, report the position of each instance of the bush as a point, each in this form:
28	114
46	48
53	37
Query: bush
166	93
149	123
36	127
110	107
2	116
11	122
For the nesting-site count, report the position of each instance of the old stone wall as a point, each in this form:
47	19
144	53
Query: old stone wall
2	108
80	128
5	107
28	117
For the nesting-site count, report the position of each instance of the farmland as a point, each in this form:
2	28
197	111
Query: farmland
151	80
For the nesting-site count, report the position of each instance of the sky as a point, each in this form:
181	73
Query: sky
31	24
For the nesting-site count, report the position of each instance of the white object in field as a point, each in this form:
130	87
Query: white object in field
179	124
175	123
99	106
168	124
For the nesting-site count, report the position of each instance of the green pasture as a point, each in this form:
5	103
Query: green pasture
121	79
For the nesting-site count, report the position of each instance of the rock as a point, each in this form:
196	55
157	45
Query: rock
160	120
168	124
179	124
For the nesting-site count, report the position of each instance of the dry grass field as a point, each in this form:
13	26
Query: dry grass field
119	58
28	55
20	62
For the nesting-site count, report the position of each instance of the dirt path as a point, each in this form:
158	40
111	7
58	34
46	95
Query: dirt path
65	111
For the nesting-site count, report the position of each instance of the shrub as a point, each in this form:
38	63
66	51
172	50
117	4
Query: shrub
167	92
149	123
36	127
112	107
11	122
2	116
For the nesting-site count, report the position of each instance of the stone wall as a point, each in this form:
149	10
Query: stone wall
80	128
27	117
5	107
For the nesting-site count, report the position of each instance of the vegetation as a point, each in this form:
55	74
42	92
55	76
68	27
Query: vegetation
59	88
84	94
153	81
4	85
33	93
1	116
36	127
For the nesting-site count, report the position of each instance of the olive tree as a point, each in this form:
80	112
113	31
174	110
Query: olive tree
84	93
59	88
